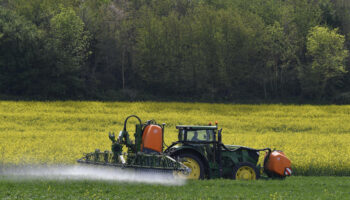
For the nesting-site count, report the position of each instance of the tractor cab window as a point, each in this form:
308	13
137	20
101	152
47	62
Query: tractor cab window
200	135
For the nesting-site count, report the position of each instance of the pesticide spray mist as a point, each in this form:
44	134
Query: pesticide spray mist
78	172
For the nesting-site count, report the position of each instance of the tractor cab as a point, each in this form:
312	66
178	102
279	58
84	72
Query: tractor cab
197	134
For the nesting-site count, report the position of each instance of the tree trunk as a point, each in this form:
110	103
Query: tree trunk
123	70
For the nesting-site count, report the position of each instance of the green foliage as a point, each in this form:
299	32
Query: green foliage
66	48
342	15
326	49
40	11
19	53
37	61
67	32
278	52
202	50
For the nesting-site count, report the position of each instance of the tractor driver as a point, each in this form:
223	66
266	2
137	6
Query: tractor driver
195	137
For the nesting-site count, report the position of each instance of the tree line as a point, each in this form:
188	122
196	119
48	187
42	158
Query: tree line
211	50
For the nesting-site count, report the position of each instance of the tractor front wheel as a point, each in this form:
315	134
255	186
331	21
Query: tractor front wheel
195	164
245	171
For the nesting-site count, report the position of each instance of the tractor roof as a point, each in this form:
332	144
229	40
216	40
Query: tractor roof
193	127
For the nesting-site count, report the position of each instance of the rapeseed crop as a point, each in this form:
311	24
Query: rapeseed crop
315	138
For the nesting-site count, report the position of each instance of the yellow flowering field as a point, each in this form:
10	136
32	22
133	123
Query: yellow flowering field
315	138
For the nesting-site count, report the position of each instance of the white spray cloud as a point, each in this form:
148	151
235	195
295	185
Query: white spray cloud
78	172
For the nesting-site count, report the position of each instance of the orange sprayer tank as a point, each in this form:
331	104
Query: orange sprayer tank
152	138
278	163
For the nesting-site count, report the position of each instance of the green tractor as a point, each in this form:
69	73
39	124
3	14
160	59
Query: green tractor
203	152
198	154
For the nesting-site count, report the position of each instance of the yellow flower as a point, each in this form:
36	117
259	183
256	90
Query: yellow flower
315	138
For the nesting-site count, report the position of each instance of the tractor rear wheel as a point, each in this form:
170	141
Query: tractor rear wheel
245	171
195	164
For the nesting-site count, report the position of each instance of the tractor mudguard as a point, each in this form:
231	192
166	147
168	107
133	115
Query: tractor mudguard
179	149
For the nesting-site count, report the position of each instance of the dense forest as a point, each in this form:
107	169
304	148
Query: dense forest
196	50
